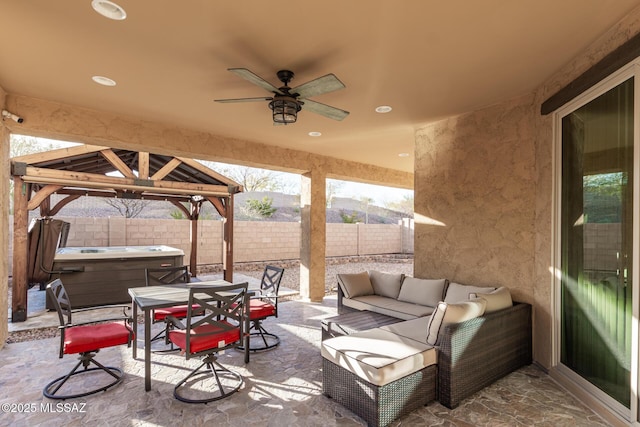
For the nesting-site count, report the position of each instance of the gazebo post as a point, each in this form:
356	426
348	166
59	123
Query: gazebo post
19	283
193	258
227	253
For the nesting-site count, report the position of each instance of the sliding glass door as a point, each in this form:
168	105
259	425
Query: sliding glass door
596	240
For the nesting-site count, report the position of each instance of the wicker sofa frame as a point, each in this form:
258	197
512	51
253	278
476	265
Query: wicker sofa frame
475	353
480	351
378	405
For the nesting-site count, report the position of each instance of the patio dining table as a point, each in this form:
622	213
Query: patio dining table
148	298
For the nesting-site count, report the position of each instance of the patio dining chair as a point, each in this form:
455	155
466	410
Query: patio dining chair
262	306
85	339
163	276
221	327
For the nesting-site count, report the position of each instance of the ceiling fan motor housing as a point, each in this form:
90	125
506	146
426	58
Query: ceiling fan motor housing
285	76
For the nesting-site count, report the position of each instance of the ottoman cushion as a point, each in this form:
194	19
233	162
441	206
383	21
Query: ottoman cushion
379	356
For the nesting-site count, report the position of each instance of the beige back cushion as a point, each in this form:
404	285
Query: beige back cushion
355	285
453	313
386	284
458	293
496	300
422	291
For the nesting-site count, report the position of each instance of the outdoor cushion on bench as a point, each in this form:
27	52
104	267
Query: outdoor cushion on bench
389	306
378	356
415	329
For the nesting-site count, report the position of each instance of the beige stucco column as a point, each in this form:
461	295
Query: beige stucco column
313	208
4	226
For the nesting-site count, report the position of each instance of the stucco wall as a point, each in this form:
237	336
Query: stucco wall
474	205
483	193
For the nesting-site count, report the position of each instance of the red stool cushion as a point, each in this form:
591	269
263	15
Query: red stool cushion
205	342
178	311
260	309
82	339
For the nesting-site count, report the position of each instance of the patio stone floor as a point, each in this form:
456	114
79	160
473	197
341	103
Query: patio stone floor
282	388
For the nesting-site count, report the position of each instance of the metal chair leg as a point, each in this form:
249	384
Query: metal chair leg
217	371
85	360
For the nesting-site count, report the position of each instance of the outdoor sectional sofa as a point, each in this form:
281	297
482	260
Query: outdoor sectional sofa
450	341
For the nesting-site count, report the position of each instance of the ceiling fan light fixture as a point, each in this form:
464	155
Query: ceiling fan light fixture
285	110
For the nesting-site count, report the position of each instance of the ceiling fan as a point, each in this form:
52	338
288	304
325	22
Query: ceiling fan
286	102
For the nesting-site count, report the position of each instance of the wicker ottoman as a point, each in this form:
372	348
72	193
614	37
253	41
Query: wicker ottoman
378	375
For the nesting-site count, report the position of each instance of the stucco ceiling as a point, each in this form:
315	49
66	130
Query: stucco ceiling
427	59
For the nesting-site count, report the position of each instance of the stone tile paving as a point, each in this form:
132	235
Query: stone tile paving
282	388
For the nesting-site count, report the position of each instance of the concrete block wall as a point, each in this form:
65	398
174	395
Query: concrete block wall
602	246
342	240
253	240
210	245
408	225
88	231
265	241
374	239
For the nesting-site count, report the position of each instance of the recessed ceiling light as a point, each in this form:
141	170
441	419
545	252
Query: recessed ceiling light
403	155
109	9
104	81
315	134
383	109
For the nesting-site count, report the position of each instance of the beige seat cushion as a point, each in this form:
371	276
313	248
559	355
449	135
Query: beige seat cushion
378	356
388	306
416	329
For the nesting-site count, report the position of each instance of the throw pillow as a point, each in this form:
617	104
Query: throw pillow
386	284
422	291
452	313
496	300
355	285
457	292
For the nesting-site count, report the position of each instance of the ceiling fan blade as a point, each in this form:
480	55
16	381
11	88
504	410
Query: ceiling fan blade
324	84
324	110
255	79
264	98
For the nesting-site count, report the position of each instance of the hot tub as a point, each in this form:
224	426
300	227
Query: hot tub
102	275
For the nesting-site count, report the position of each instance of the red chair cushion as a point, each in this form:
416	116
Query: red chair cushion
81	339
260	309
178	311
219	337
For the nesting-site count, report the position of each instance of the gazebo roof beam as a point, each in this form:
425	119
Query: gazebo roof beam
88	180
59	154
112	193
117	163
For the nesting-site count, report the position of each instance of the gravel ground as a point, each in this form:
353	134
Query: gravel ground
291	280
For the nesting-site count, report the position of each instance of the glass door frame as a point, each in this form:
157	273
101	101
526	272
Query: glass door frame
631	70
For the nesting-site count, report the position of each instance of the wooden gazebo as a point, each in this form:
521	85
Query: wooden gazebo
82	171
